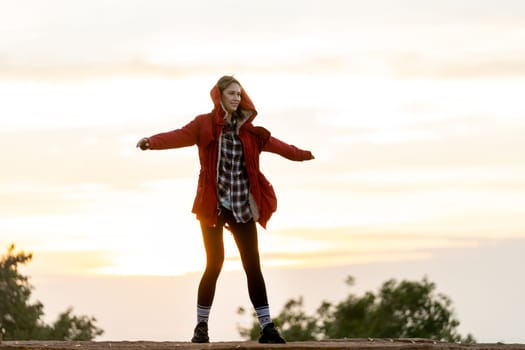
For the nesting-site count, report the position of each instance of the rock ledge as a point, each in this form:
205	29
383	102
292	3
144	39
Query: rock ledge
353	344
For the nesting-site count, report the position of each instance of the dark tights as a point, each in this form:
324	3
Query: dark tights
245	235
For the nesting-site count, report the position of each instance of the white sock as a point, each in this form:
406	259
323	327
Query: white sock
263	314
203	313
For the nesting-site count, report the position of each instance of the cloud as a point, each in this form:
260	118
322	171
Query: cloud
62	263
94	71
477	65
400	65
461	142
67	171
90	155
348	245
440	39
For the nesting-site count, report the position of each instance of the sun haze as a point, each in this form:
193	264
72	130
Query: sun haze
413	111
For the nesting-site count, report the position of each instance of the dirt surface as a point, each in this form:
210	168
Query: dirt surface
354	344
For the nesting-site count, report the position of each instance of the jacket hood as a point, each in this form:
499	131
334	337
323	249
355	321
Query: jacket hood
246	105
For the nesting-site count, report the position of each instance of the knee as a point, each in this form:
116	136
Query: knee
253	270
251	264
214	266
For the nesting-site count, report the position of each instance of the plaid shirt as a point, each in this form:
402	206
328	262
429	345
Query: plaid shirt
233	185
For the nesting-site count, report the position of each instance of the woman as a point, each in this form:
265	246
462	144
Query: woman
231	192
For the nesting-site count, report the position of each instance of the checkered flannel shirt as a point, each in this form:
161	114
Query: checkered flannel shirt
233	184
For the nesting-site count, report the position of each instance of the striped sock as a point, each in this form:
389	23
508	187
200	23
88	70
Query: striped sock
263	314
203	313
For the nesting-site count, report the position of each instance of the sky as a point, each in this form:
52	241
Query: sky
413	110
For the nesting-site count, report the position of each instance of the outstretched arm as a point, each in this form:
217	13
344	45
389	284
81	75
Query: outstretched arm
185	136
285	150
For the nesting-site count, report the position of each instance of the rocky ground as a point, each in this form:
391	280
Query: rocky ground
353	344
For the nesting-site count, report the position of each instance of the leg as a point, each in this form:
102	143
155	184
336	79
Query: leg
214	246
245	235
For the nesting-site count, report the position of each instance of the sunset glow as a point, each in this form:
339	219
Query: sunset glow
414	112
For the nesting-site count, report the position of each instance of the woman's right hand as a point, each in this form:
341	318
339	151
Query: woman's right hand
143	143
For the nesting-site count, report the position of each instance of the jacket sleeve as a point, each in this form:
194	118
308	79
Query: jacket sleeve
183	137
285	150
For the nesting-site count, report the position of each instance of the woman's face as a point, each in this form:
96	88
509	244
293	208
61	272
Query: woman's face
231	97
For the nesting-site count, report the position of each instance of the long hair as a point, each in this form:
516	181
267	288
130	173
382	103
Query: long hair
223	84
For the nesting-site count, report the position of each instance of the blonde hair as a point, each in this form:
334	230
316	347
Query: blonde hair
226	81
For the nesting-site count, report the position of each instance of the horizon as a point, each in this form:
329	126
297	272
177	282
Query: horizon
412	110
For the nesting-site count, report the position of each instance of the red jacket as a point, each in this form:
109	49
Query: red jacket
205	132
